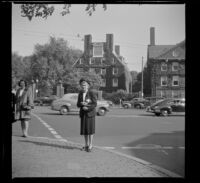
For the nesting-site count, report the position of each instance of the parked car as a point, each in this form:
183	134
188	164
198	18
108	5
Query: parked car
167	106
68	103
46	100
138	103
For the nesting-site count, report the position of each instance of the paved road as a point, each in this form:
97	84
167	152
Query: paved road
159	140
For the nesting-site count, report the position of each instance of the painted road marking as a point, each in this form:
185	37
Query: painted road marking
55	134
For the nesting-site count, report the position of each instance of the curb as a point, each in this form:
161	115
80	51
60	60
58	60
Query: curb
138	160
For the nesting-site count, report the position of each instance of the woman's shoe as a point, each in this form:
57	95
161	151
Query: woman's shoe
89	149
84	148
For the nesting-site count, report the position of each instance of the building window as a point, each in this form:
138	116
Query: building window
103	71
92	70
175	66
113	61
115	82
97	70
103	82
175	94
163	80
163	67
175	81
115	71
97	50
91	61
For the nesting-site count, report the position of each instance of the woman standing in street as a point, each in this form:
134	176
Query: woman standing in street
87	102
24	104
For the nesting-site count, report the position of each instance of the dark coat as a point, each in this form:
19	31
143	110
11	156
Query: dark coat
91	112
87	117
24	100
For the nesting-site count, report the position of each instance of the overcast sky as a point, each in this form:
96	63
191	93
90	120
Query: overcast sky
129	23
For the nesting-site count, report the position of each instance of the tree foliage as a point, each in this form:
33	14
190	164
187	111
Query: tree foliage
45	10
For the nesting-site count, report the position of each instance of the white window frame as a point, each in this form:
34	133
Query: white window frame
115	71
173	80
175	64
163	78
163	64
115	84
103	83
103	71
91	61
95	46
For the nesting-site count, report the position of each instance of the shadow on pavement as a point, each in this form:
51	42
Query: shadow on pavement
172	158
64	146
58	114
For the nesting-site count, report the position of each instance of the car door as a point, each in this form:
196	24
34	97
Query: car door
174	106
73	102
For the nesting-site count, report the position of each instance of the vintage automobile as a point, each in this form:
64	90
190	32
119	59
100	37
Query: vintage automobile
68	103
138	103
167	106
46	100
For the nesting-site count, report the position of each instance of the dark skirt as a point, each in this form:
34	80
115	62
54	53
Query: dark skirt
87	125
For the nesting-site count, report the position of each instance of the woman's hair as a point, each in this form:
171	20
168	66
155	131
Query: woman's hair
21	80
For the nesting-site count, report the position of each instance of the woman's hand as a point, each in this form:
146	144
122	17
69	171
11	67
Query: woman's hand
85	108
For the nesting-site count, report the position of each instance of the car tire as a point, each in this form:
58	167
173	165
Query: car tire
64	110
138	107
125	106
157	114
164	112
101	112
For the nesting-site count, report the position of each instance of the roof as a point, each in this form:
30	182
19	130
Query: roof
157	50
161	51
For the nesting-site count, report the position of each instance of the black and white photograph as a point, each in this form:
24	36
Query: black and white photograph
98	90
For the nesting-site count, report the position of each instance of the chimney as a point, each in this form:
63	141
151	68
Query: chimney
109	42
152	36
117	50
87	44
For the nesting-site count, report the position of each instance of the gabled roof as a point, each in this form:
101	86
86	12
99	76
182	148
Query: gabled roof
162	51
180	47
157	50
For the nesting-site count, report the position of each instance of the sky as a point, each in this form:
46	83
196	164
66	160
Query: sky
129	23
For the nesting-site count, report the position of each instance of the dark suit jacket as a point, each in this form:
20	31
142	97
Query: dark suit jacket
91	112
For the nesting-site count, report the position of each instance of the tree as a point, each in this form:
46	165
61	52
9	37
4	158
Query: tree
44	10
52	62
18	68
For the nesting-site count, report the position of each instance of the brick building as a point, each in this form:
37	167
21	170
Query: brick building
99	57
166	68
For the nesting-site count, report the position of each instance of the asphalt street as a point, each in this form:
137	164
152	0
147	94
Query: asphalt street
159	140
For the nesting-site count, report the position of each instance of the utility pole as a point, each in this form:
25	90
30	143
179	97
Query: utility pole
142	80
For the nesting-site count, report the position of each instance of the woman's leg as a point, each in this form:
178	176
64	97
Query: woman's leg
24	125
90	140
86	140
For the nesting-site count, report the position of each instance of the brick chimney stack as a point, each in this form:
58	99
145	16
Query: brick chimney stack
117	50
152	36
87	44
109	42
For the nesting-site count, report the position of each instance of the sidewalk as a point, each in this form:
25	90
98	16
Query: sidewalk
43	157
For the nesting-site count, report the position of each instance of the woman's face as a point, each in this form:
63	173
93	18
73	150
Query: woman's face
84	86
22	84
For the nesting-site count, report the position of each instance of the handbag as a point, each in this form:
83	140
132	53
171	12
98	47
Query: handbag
25	107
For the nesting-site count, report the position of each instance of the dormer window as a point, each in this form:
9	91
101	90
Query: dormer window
97	50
